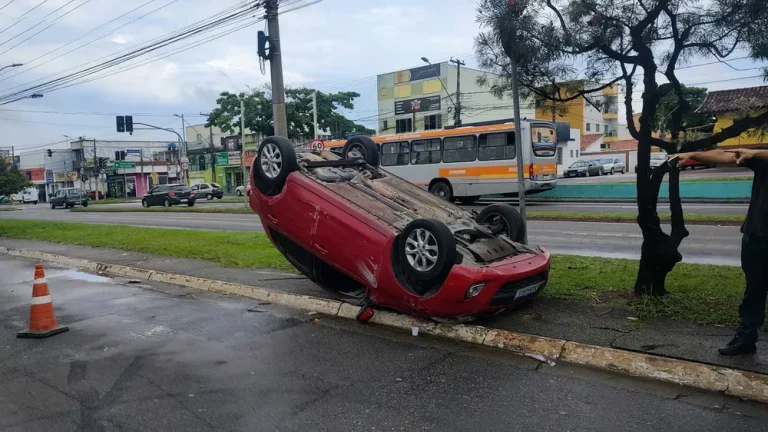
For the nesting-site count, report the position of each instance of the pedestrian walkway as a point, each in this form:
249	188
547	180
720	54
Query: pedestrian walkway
597	324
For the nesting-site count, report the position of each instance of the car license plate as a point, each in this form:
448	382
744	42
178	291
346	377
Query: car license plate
183	200
527	291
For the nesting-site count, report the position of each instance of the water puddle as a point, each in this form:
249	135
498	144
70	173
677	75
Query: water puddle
78	275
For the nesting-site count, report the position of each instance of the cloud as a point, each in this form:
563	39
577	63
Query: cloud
120	39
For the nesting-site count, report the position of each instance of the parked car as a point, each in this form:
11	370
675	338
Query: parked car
29	195
68	198
613	165
584	169
375	239
208	190
241	190
168	195
657	158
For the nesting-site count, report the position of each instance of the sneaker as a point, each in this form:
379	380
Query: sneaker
738	346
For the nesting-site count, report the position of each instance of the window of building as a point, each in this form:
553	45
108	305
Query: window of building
201	162
460	149
589	127
395	153
199	138
425	151
404	125
577	153
385	125
433	122
571	154
496	146
403	91
605	146
432	86
597	127
559	155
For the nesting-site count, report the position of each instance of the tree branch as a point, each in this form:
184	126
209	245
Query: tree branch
737	128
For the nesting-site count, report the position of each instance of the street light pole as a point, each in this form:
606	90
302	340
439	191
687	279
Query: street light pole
518	145
242	150
426	60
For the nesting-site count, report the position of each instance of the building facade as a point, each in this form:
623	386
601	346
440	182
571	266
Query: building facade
424	98
598	115
728	106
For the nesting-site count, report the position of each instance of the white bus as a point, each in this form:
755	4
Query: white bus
467	162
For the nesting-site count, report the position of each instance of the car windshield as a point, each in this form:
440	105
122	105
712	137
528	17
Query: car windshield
215	185
578	164
606	161
73	192
658	156
178	188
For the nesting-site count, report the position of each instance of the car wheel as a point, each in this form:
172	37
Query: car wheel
469	200
209	197
503	219
442	190
238	193
34	202
84	204
53	206
220	197
145	203
166	202
427	249
190	203
361	147
612	172
275	159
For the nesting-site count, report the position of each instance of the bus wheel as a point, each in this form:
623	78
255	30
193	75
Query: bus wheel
467	200
503	219
441	190
362	147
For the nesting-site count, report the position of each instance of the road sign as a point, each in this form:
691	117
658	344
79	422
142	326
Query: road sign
154	177
102	171
184	165
134	151
316	144
124	164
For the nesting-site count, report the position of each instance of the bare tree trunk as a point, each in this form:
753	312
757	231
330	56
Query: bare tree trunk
659	253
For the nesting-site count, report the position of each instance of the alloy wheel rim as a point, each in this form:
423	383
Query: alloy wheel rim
271	160
421	250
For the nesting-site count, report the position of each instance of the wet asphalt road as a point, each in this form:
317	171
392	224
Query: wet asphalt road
706	244
165	358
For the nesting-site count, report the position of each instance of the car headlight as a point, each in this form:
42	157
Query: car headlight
474	290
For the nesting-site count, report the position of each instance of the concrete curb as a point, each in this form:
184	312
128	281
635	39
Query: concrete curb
745	385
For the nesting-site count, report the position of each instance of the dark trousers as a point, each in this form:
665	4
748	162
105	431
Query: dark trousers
754	262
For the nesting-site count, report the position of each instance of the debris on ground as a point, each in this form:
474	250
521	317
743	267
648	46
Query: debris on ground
255	309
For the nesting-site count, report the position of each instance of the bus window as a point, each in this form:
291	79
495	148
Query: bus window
543	141
394	153
459	149
425	151
496	146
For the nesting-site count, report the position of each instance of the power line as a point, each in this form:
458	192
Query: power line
6	5
83	36
21	18
42	21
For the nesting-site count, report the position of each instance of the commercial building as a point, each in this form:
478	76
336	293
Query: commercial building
424	98
597	115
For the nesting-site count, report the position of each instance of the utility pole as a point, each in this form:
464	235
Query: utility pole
457	108
518	145
276	70
13	157
314	112
242	150
96	170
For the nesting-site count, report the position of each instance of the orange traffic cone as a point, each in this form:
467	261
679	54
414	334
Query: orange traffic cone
42	323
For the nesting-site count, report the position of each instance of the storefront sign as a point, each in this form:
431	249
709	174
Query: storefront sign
424	103
49	176
418	73
172	171
222	159
234	158
59	177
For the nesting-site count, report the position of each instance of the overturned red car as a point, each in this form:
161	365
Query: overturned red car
375	239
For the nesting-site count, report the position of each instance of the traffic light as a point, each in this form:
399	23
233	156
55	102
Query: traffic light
121	124
50	153
129	124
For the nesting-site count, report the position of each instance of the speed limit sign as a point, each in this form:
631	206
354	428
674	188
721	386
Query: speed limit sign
316	144
185	166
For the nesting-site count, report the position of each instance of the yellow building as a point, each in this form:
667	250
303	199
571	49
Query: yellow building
730	105
584	116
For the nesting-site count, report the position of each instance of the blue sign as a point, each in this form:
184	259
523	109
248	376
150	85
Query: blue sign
134	151
49	176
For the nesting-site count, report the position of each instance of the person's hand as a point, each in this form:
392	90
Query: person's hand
742	155
682	157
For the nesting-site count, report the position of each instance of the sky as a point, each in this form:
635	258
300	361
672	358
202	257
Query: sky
333	45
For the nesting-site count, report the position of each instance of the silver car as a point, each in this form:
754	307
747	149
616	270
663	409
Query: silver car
613	165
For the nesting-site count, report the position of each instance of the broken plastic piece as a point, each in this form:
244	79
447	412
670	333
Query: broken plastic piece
540	358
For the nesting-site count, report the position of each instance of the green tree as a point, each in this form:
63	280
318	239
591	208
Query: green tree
11	179
694	97
298	108
600	43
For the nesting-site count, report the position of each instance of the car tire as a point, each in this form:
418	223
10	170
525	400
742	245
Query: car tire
283	162
426	249
190	203
503	219
612	171
53	206
145	203
442	190
209	197
467	200
34	202
166	202
238	193
361	147
84	204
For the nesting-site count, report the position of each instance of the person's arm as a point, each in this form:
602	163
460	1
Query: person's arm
753	159
712	157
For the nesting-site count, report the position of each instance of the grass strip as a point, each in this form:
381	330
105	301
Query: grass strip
699	293
177	209
8	208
